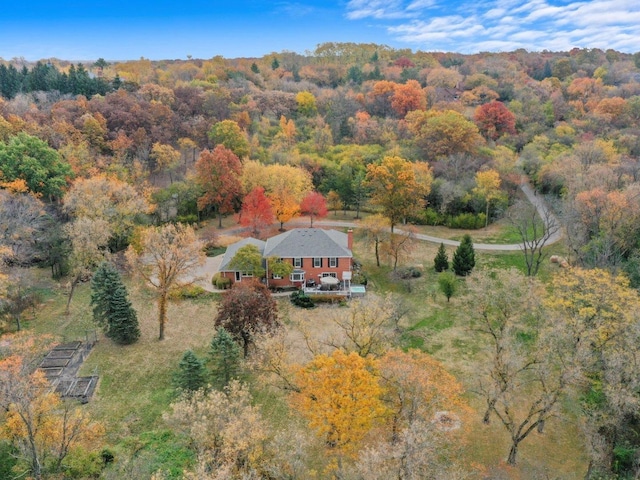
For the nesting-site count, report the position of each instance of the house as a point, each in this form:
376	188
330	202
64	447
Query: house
314	253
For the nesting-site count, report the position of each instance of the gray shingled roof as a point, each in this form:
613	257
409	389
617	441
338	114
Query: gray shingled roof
307	243
233	248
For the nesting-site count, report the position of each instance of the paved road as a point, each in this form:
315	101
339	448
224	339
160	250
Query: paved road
536	201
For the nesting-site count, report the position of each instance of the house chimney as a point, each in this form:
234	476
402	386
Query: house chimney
350	239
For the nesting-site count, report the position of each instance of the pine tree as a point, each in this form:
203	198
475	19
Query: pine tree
112	310
191	375
225	358
441	260
464	258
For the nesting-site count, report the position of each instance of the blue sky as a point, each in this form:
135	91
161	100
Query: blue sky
163	29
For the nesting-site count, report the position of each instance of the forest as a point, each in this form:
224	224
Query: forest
120	180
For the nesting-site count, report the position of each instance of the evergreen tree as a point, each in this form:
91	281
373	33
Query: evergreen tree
448	284
191	375
441	260
225	358
464	258
112	309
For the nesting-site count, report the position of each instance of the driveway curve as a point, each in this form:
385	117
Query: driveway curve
538	202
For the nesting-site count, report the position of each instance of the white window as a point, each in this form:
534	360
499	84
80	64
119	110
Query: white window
317	262
276	277
297	277
333	262
297	262
247	274
329	274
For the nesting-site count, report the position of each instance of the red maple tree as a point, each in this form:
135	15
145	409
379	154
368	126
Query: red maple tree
314	205
256	210
494	119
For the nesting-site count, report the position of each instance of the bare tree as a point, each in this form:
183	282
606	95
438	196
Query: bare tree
166	259
524	376
536	228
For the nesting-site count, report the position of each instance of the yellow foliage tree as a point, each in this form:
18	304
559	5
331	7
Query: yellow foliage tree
488	187
339	395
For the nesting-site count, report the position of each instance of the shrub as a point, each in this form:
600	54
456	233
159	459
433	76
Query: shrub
190	218
301	299
220	282
188	291
429	216
359	278
407	272
326	299
467	221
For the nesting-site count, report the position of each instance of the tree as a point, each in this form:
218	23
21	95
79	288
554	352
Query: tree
464	258
89	240
396	189
443	133
225	429
408	97
219	177
524	374
535	231
43	428
112	309
32	160
18	295
314	205
248	260
441	260
224	359
494	120
364	328
306	104
488	187
256	211
165	257
427	416
595	317
400	245
334	202
229	134
23	226
166	158
191	375
339	395
448	284
374	232
110	200
285	185
246	311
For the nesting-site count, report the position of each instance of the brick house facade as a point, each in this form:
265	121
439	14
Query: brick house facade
313	252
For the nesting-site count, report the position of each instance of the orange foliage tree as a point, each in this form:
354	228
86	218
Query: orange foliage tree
219	177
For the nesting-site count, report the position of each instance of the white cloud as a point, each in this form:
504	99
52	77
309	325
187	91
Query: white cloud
506	24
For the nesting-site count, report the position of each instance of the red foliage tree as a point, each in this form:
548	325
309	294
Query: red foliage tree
494	119
219	177
247	310
256	210
314	205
